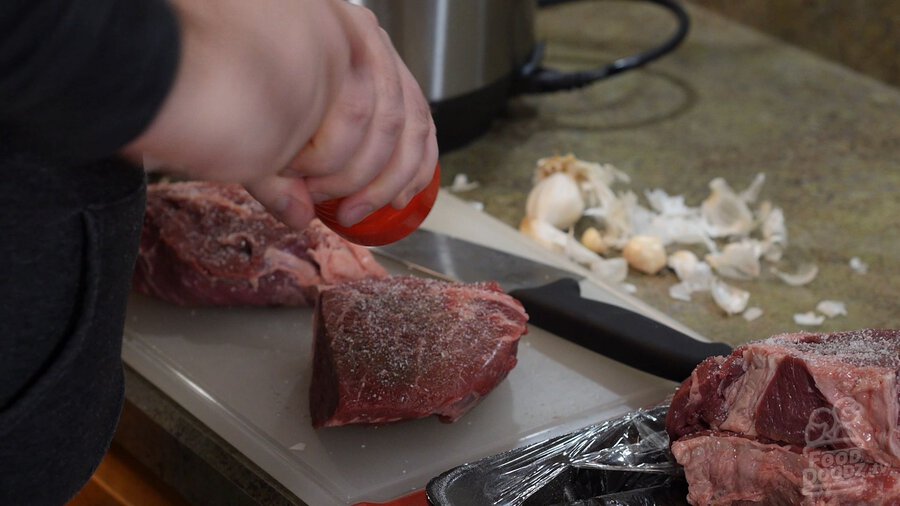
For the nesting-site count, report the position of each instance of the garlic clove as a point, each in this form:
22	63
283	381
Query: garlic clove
645	253
805	274
592	239
556	200
578	252
731	299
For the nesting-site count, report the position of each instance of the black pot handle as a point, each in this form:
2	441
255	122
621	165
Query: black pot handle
535	78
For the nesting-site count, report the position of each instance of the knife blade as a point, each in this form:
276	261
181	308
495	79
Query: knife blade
553	301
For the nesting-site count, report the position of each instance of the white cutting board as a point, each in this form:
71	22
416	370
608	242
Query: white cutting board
246	372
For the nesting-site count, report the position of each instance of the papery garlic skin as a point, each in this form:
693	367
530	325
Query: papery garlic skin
725	213
544	234
805	274
731	299
612	270
752	313
809	318
684	263
738	260
555	200
645	253
832	308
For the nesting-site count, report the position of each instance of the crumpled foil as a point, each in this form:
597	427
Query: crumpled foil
624	461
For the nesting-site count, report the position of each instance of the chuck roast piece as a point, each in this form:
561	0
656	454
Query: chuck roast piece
208	244
404	347
725	469
747	426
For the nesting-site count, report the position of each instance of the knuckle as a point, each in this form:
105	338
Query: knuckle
368	17
358	111
391	123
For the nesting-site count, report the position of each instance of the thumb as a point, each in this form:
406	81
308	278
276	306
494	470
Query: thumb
286	198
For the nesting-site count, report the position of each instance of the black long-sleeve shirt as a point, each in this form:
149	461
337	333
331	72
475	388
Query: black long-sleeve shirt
81	78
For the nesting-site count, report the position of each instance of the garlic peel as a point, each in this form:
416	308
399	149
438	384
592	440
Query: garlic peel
724	212
544	234
461	184
831	308
752	313
805	274
731	299
809	318
738	260
858	265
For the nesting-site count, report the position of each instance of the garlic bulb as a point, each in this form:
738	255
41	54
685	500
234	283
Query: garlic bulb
645	253
555	200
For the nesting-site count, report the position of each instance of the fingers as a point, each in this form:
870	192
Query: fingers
377	144
285	197
362	122
412	164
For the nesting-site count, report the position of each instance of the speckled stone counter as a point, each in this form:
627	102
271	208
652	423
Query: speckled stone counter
729	103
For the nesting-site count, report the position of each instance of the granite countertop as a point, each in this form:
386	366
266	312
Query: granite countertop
729	103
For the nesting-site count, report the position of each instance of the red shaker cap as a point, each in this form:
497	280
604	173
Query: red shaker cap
387	224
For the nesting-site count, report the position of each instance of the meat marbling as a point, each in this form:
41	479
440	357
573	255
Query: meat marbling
404	347
208	244
802	394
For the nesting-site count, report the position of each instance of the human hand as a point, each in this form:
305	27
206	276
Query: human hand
296	99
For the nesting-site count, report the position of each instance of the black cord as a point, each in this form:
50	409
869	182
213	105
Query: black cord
537	79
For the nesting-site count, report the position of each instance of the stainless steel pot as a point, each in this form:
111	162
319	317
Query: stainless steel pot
470	55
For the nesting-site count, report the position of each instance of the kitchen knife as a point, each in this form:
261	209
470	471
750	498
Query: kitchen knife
552	298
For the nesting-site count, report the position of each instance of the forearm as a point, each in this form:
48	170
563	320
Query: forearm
81	78
253	84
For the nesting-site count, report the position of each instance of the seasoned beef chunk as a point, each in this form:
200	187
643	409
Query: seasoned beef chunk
208	244
403	347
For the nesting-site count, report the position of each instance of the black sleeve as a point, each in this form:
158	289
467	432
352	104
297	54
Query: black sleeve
81	78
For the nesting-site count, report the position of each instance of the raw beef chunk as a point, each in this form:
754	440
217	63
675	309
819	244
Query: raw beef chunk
207	244
748	426
724	469
774	388
404	347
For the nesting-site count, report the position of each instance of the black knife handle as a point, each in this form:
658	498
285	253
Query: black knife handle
618	333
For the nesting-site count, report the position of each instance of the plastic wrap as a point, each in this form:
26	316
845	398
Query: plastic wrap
622	461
